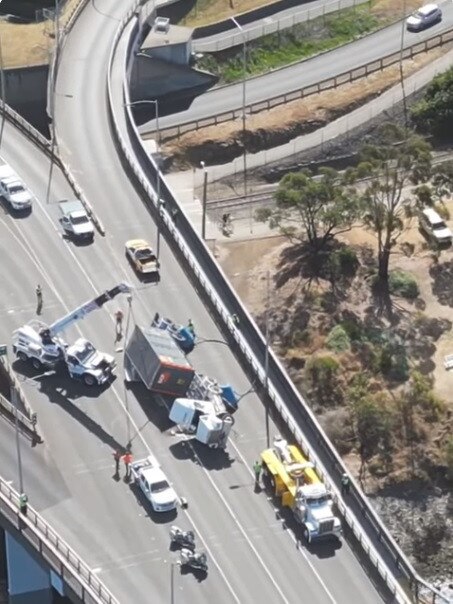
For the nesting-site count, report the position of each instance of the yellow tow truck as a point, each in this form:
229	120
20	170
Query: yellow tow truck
295	482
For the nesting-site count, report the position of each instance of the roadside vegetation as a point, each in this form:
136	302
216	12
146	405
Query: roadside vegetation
434	113
300	42
352	329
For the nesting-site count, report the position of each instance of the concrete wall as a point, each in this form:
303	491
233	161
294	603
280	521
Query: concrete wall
173	53
26	92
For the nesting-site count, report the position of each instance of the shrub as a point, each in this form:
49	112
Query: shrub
353	329
348	260
322	367
322	373
338	340
403	284
448	451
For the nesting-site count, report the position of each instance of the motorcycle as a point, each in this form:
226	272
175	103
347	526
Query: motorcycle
182	538
197	561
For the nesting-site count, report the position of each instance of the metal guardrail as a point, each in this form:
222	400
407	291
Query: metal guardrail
290	405
233	37
53	549
295	94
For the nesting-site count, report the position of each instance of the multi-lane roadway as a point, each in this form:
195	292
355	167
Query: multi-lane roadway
69	479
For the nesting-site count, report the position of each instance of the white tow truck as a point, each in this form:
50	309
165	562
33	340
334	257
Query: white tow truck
148	474
44	348
13	190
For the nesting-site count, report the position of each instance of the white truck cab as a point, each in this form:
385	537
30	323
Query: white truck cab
154	484
75	220
13	190
313	509
88	364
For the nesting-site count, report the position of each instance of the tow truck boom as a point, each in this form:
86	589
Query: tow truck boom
85	309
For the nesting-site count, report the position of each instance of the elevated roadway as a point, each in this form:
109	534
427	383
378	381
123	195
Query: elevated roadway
69	478
319	68
239	527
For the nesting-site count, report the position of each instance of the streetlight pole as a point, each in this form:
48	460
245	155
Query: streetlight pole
244	80
2	76
266	357
52	91
160	202
205	195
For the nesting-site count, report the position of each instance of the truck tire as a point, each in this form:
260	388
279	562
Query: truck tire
89	380
22	356
306	534
36	364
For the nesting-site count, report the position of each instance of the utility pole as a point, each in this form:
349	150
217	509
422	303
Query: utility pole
266	357
52	92
403	89
2	81
205	199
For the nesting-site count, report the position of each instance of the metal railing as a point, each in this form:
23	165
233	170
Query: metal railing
328	84
233	37
251	345
53	549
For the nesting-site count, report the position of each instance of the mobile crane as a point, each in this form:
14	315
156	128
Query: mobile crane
43	347
296	483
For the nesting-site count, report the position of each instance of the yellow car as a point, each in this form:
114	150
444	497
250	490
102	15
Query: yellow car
142	257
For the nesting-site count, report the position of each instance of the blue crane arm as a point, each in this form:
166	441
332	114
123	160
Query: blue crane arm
85	309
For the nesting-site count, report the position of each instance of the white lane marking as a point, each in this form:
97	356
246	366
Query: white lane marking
113	389
289	531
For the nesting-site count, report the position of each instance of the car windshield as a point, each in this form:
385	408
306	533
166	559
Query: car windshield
86	352
317	500
418	14
437	226
158	487
145	255
16	189
79	219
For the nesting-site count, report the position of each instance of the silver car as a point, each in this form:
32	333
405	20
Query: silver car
424	17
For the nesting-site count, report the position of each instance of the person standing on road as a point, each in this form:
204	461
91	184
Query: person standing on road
39	299
345	484
117	457
119	323
191	327
257	467
127	458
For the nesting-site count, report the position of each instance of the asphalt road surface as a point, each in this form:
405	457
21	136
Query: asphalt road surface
251	557
311	71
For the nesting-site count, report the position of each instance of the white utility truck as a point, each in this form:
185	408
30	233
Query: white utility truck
13	190
75	221
148	474
44	348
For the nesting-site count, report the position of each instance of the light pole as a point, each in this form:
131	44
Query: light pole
403	89
160	202
2	76
52	92
266	357
244	80
205	195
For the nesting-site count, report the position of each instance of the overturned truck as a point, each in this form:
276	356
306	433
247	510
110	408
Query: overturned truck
200	406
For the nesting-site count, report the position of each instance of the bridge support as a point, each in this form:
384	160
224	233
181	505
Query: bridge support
28	581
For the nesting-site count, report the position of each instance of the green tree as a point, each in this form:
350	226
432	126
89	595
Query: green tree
420	395
434	113
389	166
313	209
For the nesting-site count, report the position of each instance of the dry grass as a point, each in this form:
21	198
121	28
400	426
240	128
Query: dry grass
30	44
317	106
211	11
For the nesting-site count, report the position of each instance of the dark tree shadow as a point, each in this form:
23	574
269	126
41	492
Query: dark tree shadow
442	285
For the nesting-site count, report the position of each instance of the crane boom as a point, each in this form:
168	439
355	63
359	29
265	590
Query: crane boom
85	309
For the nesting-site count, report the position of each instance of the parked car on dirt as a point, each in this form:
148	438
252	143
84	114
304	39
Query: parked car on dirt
434	227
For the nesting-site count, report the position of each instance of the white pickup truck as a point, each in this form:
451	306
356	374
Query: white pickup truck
13	190
154	484
75	220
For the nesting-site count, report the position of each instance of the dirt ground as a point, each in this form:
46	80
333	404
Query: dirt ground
30	44
247	263
317	108
211	11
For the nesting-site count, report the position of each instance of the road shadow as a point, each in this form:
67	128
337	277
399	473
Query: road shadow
156	517
63	395
210	459
155	407
199	575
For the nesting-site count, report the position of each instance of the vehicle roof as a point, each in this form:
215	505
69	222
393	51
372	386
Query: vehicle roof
137	243
427	8
153	474
431	215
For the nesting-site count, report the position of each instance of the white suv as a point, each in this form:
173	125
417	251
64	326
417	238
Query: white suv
434	227
13	190
424	17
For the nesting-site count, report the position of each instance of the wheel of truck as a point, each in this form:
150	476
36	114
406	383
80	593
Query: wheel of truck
36	363
88	379
22	356
306	534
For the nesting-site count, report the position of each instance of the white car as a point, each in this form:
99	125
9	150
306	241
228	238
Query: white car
434	227
13	190
154	484
424	17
